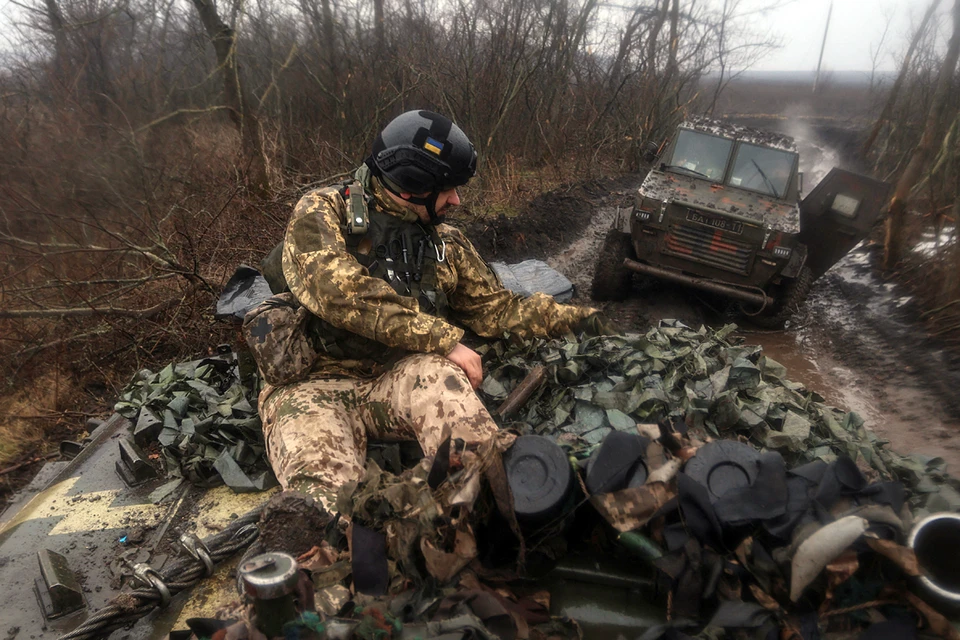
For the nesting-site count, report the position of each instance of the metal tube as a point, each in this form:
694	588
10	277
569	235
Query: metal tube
699	283
602	575
522	392
934	541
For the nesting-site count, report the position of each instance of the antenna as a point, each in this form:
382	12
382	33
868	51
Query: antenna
823	46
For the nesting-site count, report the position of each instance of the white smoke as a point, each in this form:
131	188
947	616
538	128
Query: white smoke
816	156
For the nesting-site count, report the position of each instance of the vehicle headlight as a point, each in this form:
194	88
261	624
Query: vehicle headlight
642	215
781	252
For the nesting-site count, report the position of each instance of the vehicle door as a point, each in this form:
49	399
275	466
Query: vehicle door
837	214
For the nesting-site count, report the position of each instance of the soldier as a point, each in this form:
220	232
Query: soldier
382	282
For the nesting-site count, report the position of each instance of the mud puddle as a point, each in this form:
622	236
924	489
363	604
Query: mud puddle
794	351
896	407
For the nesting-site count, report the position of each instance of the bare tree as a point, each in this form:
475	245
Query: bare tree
653	39
894	240
901	77
59	29
224	40
744	50
721	57
877	49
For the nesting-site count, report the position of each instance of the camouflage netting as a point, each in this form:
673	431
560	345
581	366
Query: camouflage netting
207	427
708	379
813	547
437	542
204	420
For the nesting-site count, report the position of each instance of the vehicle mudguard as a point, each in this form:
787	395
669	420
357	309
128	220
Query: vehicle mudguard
837	214
798	258
622	220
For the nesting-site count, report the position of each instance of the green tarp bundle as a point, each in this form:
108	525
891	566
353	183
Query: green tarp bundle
705	377
204	420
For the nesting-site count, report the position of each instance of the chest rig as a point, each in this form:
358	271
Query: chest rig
404	254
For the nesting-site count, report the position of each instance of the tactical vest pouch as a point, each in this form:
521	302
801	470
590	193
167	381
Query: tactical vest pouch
276	332
272	269
357	214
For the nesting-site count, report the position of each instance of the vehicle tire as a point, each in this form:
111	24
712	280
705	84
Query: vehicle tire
611	280
792	294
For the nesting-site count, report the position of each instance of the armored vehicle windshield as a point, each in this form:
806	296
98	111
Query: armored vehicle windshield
762	169
701	154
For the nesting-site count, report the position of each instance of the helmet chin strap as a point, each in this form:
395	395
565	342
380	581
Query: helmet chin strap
430	202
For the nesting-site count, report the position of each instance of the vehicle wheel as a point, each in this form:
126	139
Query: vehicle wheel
792	294
611	280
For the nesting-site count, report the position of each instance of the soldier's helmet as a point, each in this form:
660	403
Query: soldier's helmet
423	152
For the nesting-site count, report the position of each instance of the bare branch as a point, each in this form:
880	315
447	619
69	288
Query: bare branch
78	312
181	112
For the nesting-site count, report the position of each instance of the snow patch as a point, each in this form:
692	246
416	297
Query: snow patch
932	244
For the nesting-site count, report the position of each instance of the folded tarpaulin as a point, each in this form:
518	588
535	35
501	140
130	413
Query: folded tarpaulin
534	276
245	290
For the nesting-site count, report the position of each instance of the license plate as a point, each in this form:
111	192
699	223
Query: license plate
724	224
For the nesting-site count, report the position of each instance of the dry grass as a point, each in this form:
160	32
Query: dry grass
506	187
29	414
175	196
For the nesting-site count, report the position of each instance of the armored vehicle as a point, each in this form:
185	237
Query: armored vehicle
721	211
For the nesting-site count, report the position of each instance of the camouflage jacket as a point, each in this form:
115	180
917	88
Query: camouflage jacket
333	285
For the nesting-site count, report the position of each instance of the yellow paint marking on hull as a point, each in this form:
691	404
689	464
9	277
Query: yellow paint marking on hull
99	515
91	510
216	506
211	595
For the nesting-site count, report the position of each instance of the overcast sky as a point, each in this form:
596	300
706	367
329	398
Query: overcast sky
855	27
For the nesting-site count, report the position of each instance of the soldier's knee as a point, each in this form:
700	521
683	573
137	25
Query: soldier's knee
425	363
435	369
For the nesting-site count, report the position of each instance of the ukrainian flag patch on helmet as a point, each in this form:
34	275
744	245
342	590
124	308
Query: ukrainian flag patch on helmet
433	146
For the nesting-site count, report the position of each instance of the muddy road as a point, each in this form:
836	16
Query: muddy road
856	342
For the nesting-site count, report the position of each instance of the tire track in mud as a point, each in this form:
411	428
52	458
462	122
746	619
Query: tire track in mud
881	360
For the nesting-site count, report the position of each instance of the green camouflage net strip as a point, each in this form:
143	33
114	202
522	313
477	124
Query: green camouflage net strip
708	378
205	421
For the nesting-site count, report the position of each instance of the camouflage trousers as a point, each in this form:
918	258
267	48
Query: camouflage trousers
316	429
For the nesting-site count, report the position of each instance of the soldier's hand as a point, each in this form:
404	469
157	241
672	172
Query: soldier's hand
468	360
596	324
